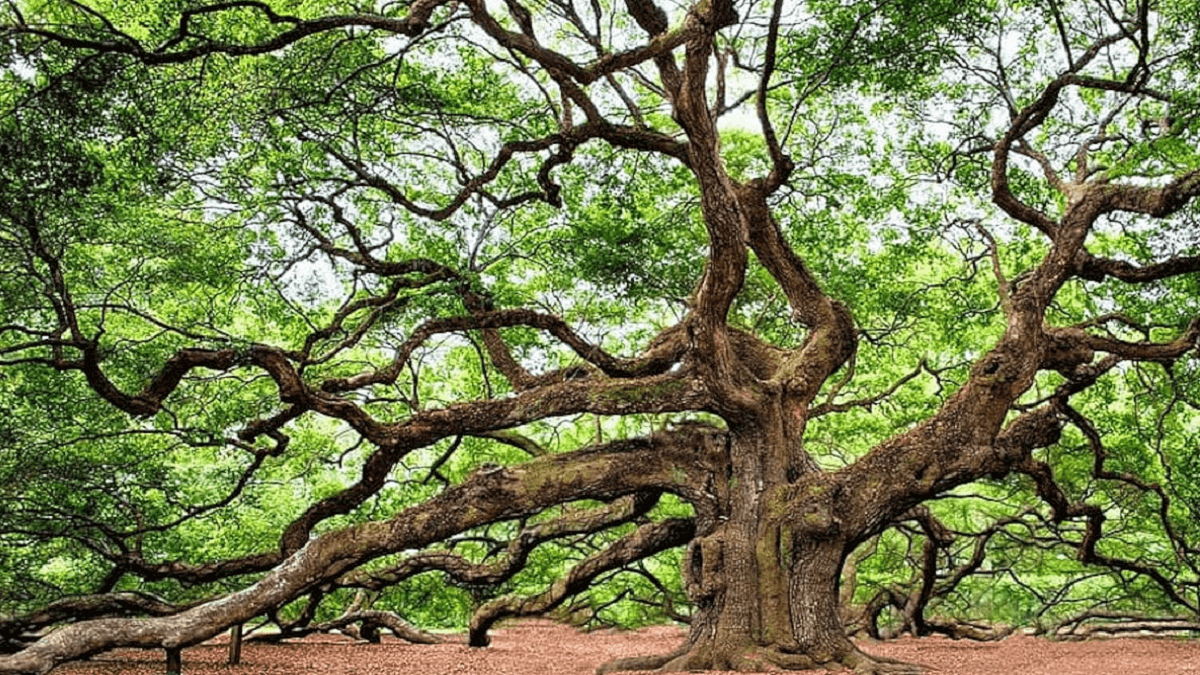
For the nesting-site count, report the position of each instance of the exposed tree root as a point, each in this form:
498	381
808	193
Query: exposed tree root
758	659
653	662
881	665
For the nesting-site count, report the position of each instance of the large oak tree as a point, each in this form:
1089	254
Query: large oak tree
649	248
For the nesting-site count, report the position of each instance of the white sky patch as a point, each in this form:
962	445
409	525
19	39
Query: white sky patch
742	118
22	69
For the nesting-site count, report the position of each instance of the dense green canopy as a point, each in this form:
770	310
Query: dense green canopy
417	315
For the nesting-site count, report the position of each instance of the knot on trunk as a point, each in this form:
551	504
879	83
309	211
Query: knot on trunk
814	521
811	513
703	570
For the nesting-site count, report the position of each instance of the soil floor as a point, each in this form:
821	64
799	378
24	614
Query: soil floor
544	648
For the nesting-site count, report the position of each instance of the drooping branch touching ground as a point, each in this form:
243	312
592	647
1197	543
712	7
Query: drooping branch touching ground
604	472
83	608
1081	626
372	622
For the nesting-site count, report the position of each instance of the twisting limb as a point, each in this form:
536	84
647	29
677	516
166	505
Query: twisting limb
172	50
611	470
781	164
82	608
515	555
1095	517
656	361
641	543
1097	269
1028	119
1162	352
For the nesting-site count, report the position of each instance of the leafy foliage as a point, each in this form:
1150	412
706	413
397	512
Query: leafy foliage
281	280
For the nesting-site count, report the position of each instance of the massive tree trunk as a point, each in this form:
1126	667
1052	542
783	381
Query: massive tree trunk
765	595
763	572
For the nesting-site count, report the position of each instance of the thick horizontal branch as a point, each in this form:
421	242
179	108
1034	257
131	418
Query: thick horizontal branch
681	461
1097	269
660	393
150	399
1148	351
1154	201
949	450
198	573
84	607
462	571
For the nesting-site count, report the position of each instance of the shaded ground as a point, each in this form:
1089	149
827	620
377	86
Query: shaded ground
543	648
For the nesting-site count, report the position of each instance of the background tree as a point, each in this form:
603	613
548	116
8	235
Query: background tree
303	300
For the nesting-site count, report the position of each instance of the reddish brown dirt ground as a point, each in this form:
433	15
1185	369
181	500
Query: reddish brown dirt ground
543	648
